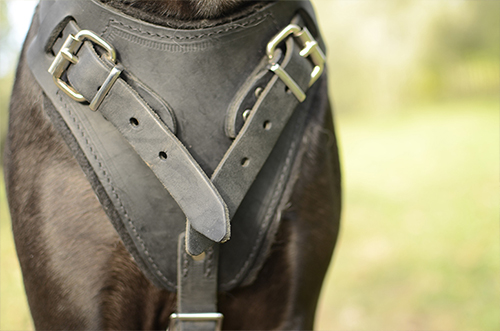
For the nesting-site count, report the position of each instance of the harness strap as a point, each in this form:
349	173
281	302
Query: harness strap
256	139
153	142
197	290
85	69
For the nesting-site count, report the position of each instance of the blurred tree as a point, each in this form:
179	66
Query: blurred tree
385	55
5	74
462	58
4	22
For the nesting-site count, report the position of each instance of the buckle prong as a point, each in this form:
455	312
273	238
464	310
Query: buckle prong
69	56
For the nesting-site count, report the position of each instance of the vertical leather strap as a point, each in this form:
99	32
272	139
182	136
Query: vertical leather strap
197	290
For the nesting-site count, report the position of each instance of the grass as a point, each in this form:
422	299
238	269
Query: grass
419	247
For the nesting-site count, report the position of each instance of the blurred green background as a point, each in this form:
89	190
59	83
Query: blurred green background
416	90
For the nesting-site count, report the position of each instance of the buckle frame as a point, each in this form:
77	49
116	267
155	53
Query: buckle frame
310	49
197	317
67	56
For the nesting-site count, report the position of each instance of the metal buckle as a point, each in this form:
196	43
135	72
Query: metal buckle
198	317
310	49
66	56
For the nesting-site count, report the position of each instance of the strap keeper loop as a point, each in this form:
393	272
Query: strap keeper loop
196	317
105	87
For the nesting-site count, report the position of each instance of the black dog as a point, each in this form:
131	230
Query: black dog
78	273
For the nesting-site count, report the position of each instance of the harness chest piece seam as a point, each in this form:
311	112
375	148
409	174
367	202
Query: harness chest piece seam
200	36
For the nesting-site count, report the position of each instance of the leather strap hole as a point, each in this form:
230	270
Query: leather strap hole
134	121
267	125
162	155
245	162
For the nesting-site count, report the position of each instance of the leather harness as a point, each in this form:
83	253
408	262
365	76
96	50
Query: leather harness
187	135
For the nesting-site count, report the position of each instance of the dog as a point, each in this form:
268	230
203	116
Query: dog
77	271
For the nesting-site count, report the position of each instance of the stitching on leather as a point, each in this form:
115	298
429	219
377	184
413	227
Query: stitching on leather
209	263
156	44
270	210
185	264
106	28
108	179
231	26
275	21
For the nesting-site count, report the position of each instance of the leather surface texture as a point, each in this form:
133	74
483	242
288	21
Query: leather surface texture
179	86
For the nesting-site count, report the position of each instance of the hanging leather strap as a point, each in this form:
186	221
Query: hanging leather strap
197	291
